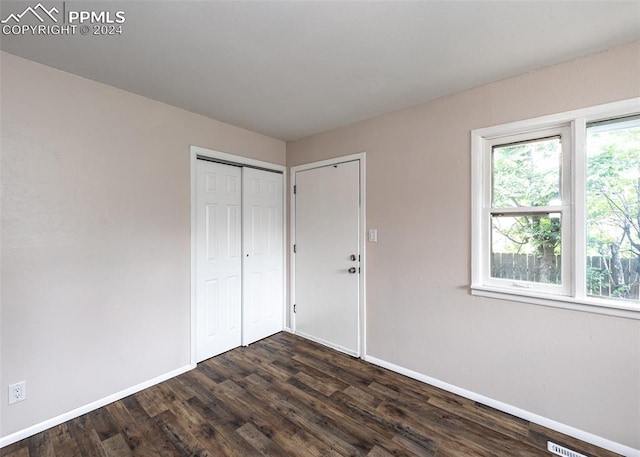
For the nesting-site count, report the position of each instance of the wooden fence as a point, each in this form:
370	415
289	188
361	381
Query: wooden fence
522	267
526	267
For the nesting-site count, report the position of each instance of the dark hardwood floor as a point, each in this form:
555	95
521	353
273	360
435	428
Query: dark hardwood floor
286	396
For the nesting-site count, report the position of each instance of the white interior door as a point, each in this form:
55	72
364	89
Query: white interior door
263	310
327	239
218	258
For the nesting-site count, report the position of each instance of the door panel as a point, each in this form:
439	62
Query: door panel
263	254
218	258
327	233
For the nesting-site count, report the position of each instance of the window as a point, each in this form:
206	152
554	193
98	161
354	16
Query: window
556	210
613	212
529	206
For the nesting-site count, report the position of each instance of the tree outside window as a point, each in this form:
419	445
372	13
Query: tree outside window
613	208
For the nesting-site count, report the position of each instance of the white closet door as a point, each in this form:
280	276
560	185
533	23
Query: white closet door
263	310
218	258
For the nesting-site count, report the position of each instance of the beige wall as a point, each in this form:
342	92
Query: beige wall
95	236
577	368
95	246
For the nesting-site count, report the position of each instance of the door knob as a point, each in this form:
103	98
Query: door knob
353	257
352	270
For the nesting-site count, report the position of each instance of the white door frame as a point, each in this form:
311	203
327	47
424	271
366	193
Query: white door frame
361	157
223	157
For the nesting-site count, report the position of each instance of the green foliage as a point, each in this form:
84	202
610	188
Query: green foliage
613	191
595	280
528	175
599	280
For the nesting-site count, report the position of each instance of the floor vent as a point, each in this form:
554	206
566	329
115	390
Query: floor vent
563	451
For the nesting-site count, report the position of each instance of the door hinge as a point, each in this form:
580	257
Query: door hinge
294	309
295	189
294	248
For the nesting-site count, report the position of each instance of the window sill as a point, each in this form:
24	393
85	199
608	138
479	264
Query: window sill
607	307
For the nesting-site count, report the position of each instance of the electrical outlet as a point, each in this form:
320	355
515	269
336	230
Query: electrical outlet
17	392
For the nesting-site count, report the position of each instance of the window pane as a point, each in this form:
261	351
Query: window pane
526	174
613	213
526	247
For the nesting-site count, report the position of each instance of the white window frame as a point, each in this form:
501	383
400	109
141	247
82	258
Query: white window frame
564	209
572	294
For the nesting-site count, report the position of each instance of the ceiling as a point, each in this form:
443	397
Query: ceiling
291	69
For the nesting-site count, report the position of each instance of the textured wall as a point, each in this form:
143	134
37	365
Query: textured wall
577	368
95	236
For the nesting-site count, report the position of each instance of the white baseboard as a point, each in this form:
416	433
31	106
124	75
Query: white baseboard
504	407
328	344
42	426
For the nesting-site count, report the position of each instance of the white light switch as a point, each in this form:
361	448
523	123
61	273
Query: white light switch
373	236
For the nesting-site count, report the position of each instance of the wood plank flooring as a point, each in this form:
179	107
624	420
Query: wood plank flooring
286	396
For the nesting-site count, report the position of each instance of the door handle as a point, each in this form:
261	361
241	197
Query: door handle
353	257
352	270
